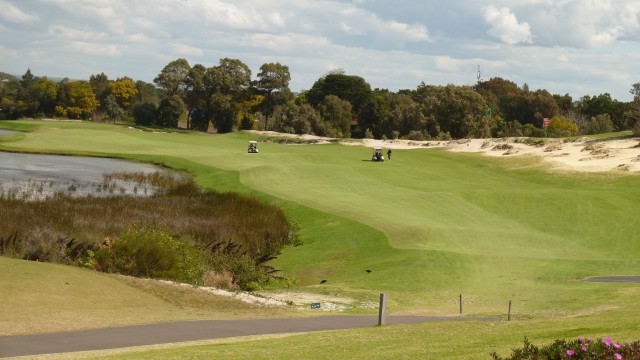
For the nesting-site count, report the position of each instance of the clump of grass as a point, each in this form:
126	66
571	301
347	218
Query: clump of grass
219	279
530	141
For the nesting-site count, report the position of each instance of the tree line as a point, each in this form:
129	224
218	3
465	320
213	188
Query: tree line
225	98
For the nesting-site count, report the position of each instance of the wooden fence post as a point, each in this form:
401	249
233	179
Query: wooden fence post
382	312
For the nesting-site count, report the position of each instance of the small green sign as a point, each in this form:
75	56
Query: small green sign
315	305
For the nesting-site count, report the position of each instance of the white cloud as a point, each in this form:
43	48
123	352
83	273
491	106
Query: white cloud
13	14
75	34
91	48
581	46
183	50
138	38
505	26
587	23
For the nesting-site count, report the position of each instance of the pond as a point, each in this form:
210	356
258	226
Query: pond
31	176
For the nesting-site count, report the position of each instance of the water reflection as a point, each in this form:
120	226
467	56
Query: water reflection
8	132
30	176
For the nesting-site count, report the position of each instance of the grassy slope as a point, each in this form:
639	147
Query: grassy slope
429	223
40	297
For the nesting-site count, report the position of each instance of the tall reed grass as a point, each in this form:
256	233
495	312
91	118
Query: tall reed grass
204	219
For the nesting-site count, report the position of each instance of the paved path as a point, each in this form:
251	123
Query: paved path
111	338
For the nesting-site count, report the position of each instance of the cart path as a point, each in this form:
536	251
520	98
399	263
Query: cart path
162	333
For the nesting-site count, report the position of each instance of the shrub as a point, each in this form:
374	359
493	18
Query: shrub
416	135
636	128
562	125
368	134
598	125
151	253
46	247
579	349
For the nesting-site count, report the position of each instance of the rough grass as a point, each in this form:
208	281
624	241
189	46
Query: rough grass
40	297
430	224
178	208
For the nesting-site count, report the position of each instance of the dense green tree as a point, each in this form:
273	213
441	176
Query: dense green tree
564	102
224	112
79	100
26	102
248	114
632	114
45	92
147	93
10	106
540	104
502	96
226	85
273	77
112	108
100	85
352	88
28	80
169	111
198	120
172	77
377	115
337	116
196	98
458	110
592	106
389	115
144	113
296	119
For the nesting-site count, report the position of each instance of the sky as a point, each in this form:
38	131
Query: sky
575	47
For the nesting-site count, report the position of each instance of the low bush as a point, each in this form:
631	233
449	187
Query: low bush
152	253
579	349
46	248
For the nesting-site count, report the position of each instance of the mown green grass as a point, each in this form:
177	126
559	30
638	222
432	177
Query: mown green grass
430	224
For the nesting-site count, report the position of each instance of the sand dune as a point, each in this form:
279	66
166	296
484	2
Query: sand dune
585	154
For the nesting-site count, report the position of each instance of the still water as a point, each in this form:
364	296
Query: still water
30	176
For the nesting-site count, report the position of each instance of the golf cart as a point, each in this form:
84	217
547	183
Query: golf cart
377	154
253	147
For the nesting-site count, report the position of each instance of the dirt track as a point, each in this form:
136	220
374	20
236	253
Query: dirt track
112	338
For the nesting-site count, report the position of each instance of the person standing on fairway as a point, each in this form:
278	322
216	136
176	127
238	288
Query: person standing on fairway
389	154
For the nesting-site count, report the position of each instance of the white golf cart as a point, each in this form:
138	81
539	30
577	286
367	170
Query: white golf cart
377	154
253	147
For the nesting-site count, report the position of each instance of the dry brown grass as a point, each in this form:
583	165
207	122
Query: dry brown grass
180	209
219	279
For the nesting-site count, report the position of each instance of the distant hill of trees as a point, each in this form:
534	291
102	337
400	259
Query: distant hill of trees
225	98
